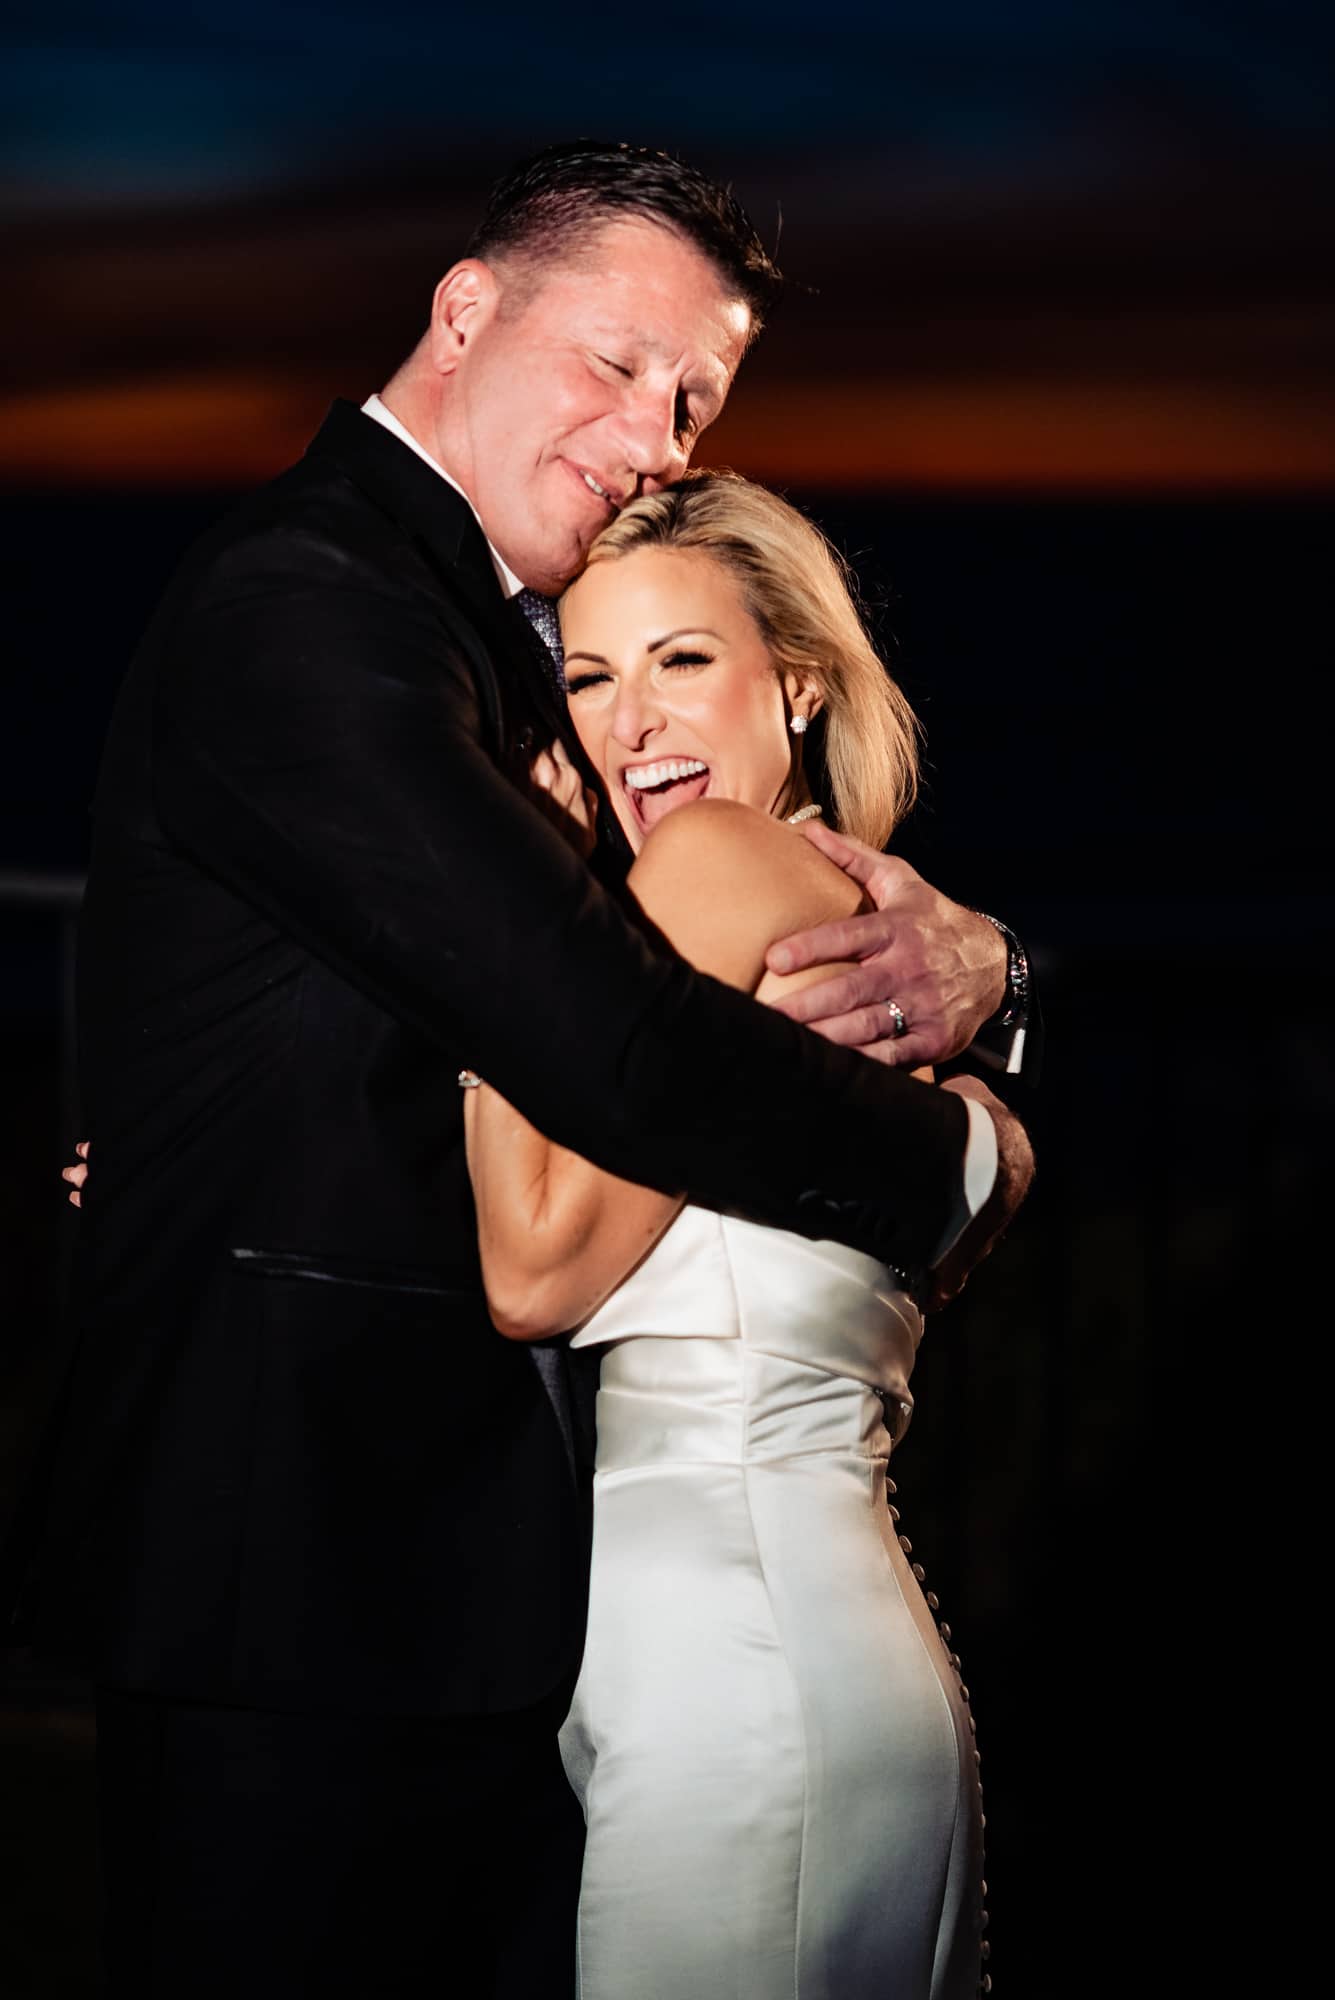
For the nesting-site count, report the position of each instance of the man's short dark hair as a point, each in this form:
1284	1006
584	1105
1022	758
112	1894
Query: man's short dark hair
549	205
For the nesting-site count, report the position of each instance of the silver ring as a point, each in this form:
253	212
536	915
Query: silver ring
898	1025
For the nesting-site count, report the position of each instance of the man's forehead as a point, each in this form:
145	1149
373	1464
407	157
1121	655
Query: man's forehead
732	327
637	273
710	344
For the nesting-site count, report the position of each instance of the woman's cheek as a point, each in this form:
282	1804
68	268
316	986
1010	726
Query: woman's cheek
766	759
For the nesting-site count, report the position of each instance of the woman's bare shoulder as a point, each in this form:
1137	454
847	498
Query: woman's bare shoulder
722	881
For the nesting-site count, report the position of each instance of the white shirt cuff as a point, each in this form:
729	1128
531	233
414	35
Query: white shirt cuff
980	1175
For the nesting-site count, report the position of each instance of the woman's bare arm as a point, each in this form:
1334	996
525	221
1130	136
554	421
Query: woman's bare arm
721	882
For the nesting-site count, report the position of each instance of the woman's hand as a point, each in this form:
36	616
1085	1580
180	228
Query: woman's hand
572	806
76	1176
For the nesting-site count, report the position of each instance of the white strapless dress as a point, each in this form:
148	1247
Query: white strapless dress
769	1738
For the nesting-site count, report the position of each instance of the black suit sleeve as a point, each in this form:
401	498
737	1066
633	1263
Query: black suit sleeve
317	749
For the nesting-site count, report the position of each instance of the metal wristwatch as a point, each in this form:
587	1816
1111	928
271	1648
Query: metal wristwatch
1000	1043
1014	1009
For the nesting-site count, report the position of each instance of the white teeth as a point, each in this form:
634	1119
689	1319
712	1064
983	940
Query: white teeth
643	777
594	487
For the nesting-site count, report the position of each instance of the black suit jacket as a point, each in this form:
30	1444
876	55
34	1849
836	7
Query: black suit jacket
299	1468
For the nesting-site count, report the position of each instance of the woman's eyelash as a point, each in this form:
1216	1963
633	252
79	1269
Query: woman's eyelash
577	683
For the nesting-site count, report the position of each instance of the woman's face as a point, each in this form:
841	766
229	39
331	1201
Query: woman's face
672	690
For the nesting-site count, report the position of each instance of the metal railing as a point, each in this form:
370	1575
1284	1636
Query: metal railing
41	888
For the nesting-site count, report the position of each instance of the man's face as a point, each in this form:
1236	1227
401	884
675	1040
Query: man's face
604	379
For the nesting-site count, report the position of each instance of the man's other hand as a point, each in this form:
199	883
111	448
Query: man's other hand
1015	1171
76	1176
916	958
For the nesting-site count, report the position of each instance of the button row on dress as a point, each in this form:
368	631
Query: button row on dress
934	1604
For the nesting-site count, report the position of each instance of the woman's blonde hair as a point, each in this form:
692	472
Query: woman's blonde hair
799	591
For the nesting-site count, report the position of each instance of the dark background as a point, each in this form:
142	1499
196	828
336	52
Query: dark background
1060	379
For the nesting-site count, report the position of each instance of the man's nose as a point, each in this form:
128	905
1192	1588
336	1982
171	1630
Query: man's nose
653	450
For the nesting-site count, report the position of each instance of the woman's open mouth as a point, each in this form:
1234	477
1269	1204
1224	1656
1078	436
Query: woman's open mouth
654	790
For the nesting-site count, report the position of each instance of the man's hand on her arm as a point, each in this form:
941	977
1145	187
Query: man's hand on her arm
1015	1171
943	967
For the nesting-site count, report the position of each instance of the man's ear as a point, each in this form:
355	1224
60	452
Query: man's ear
803	693
465	303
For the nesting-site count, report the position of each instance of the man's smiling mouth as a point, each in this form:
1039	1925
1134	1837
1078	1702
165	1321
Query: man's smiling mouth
654	790
591	483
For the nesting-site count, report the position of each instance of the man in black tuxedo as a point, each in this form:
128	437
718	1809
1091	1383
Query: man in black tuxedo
318	1529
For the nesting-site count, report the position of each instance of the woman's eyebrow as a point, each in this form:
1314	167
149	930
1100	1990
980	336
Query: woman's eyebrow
596	658
685	631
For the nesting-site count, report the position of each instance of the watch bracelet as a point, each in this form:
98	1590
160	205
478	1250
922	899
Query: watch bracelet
1014	1009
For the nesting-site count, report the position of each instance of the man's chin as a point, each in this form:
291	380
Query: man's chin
550	570
563	544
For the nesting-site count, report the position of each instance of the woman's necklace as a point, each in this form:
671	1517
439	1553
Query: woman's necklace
806	812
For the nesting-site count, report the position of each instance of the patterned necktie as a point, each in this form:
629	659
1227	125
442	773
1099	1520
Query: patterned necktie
541	614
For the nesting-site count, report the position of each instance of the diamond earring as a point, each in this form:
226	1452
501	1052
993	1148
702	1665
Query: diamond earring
798	725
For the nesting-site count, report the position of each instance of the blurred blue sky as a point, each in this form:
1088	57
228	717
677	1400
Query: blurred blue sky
149	103
1036	243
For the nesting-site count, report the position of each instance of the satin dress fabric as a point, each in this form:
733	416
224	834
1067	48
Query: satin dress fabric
769	1741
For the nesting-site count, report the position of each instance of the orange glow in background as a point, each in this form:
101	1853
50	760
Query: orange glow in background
234	428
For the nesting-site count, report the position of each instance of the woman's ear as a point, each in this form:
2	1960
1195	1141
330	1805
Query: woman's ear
802	693
464	303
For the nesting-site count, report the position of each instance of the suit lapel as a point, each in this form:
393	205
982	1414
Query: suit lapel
445	533
511	664
510	667
405	486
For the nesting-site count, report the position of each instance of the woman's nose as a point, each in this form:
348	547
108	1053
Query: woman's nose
635	718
